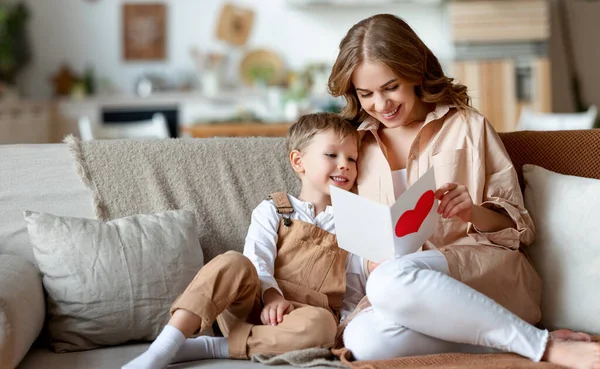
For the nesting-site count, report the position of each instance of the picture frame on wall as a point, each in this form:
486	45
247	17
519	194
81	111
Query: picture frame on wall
144	31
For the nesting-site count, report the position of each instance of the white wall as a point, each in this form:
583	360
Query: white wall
84	33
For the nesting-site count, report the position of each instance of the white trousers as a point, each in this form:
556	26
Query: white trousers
418	309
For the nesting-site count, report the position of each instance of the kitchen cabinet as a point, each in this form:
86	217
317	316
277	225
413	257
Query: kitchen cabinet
501	55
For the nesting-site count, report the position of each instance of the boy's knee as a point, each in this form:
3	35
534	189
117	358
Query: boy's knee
326	325
232	260
230	266
319	327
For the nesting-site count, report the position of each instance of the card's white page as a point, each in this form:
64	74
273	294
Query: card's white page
411	242
363	227
370	230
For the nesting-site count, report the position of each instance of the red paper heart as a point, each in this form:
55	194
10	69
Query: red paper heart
411	220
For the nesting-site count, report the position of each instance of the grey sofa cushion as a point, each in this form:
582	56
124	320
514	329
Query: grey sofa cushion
22	308
112	282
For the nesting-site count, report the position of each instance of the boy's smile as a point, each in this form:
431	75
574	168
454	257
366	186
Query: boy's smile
340	179
328	160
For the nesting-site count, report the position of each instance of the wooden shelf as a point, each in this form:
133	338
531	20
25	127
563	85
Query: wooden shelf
243	129
500	20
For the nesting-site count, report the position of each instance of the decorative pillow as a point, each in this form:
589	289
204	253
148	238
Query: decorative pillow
112	282
565	210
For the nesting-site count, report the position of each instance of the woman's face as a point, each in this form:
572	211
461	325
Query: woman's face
383	95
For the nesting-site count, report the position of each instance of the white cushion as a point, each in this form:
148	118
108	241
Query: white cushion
566	210
22	309
112	282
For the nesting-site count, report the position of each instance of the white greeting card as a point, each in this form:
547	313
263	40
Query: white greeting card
378	232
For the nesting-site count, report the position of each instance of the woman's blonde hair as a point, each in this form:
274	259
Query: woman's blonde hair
388	39
301	133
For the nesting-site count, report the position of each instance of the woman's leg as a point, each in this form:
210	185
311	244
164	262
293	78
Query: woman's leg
415	292
388	340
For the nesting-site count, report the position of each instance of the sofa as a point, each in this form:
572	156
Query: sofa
233	174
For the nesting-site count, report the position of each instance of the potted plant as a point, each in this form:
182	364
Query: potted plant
14	45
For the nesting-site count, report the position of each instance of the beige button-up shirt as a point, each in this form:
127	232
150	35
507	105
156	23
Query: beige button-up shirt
464	148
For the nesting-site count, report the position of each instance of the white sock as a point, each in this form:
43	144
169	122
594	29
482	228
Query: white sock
203	347
161	351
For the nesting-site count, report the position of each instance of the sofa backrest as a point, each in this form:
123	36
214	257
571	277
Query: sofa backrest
43	178
575	153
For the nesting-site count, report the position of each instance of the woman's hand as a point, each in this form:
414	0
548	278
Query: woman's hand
455	201
276	306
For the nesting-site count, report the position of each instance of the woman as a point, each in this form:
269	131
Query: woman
471	289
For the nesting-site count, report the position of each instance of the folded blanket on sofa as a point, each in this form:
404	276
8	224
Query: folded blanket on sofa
221	179
448	361
302	358
322	357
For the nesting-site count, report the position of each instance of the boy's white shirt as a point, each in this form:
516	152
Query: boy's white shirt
261	248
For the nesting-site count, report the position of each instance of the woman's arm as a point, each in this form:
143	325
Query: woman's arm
456	201
494	210
488	220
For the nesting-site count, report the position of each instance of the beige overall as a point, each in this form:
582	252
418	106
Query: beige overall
310	271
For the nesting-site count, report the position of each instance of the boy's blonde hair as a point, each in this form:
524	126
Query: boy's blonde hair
301	133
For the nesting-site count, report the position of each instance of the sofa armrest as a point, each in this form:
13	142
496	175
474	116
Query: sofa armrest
22	308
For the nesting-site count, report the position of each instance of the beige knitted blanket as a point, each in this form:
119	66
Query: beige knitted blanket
221	179
322	357
448	361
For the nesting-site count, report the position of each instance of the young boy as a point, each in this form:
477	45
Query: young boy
292	284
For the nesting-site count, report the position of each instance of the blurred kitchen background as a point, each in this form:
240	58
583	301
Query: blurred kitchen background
203	68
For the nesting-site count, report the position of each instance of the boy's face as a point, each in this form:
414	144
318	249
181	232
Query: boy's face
327	160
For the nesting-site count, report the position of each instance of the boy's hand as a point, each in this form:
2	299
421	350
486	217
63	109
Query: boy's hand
276	306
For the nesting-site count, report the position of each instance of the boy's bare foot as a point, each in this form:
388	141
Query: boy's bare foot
573	354
569	335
